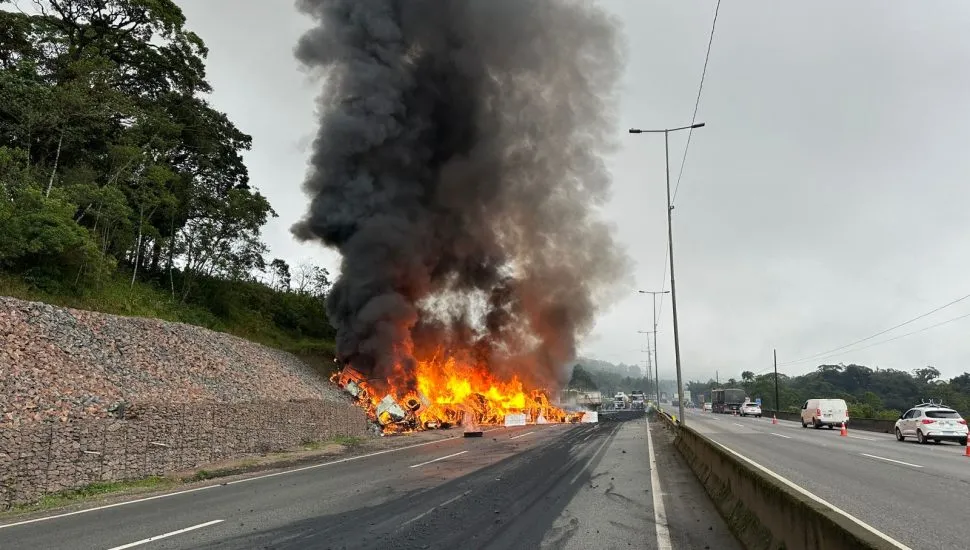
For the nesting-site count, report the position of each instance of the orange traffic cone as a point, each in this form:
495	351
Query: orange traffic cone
968	447
774	419
844	431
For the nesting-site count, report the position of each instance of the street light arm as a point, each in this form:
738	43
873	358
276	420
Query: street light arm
667	130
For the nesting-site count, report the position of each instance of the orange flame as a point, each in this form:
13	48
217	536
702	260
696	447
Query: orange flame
446	390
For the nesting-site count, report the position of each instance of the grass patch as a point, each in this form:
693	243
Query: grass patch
118	296
345	440
94	490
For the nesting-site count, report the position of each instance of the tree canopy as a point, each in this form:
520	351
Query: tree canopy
113	162
581	379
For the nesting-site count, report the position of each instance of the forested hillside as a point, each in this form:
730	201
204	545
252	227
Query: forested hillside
871	393
595	374
123	189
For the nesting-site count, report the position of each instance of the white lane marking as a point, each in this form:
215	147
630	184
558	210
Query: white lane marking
891	460
736	424
659	512
779	435
435	507
437	459
860	437
593	457
521	435
196	489
895	543
166	535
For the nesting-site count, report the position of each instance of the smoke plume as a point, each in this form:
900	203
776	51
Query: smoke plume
458	170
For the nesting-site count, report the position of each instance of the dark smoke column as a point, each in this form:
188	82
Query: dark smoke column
457	170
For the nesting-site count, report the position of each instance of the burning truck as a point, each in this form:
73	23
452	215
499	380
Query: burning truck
449	393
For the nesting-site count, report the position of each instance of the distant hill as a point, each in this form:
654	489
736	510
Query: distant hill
610	377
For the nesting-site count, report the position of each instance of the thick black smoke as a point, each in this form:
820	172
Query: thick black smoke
457	169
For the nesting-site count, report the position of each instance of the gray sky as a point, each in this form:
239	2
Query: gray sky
826	199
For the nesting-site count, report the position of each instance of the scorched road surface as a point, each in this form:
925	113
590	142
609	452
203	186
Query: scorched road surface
551	486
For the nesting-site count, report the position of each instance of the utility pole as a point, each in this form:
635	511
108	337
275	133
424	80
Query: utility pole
777	403
670	246
656	364
717	378
649	365
648	362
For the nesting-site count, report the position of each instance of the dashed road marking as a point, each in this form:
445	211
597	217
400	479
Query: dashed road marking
891	460
166	535
433	508
234	482
438	459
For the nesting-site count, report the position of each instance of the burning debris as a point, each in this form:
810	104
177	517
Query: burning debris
450	394
458	171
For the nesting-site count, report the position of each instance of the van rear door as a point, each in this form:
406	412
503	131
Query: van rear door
827	411
833	410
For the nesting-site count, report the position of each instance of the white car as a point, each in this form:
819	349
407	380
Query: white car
930	422
750	409
708	407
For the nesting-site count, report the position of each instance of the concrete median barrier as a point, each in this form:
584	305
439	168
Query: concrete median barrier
765	511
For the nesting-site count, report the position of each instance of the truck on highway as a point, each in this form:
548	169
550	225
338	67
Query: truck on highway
620	400
727	400
638	400
590	399
581	398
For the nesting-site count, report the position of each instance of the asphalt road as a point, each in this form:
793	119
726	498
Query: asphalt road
916	494
553	486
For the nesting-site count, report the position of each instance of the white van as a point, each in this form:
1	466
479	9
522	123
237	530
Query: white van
824	412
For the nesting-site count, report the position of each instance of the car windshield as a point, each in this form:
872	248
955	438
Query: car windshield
942	414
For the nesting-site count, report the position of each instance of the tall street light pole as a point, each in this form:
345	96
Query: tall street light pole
774	353
670	244
650	357
656	365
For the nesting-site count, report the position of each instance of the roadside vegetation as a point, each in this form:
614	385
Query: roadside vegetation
92	492
870	393
123	190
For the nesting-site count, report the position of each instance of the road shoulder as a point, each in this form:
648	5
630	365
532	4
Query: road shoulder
692	518
615	505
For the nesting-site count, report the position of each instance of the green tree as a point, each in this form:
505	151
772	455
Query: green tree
280	272
926	375
581	379
114	168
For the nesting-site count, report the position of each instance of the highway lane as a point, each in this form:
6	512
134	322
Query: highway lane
916	494
546	486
